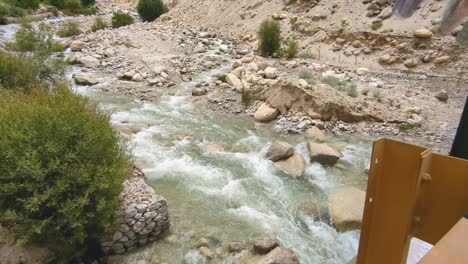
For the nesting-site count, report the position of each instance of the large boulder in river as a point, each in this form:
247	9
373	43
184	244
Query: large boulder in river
323	154
346	208
265	113
293	166
279	150
280	255
84	79
316	134
265	245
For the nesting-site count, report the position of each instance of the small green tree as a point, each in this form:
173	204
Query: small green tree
28	4
291	49
99	24
149	10
61	171
269	37
68	29
120	19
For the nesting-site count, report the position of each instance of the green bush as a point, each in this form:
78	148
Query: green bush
99	24
33	64
149	10
28	4
248	96
269	36
68	29
120	19
61	171
352	90
376	25
38	40
88	2
8	10
291	49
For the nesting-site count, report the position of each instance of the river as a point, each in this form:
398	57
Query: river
234	194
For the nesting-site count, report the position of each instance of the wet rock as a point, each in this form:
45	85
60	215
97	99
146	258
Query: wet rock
77	45
442	95
280	255
293	166
235	247
206	252
84	79
279	150
265	113
198	91
346	208
316	134
194	257
423	33
323	154
265	245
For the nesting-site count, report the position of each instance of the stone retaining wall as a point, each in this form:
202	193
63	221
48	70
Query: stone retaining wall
143	216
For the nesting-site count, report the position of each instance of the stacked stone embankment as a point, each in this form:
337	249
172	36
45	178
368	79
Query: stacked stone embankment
143	216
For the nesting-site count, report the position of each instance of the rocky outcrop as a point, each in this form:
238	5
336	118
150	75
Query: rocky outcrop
293	166
346	208
265	113
265	245
13	251
323	154
279	150
143	216
330	104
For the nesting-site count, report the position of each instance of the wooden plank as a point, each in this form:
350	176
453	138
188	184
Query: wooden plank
452	248
443	198
390	202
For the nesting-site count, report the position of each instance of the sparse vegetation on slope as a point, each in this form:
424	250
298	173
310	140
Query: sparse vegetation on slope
69	29
120	19
269	37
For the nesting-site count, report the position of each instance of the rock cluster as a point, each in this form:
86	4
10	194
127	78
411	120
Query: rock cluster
143	216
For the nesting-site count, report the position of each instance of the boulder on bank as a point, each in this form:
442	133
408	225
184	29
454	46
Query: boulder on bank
293	166
323	154
280	255
279	150
77	45
346	208
265	113
265	245
234	82
84	79
89	62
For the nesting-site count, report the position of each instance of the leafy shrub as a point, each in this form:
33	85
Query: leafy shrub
405	127
28	4
269	36
68	29
99	24
247	97
291	49
61	171
334	82
376	25
72	6
88	2
8	10
352	90
149	10
33	65
308	77
120	19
